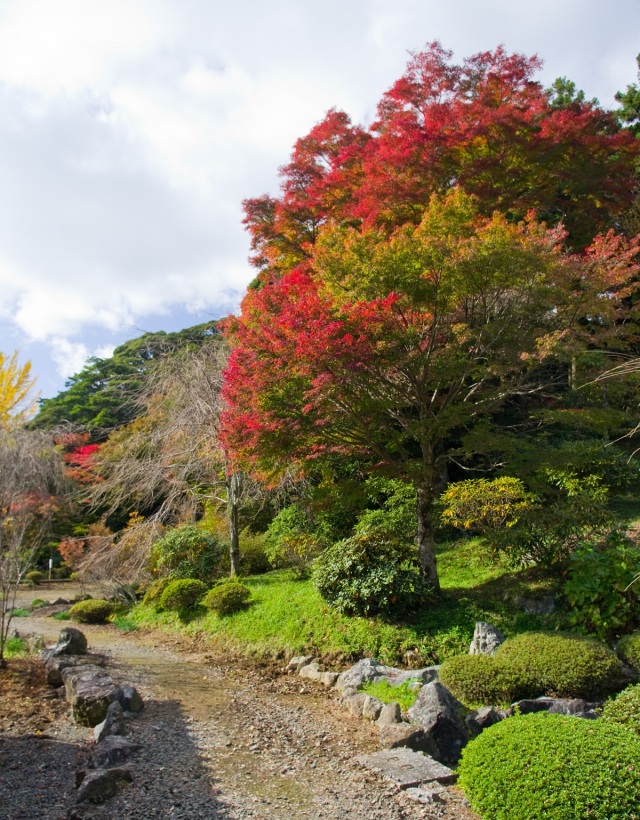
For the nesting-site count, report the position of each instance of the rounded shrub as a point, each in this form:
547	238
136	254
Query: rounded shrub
182	595
154	592
94	611
479	680
37	603
553	767
225	599
567	666
629	649
624	709
35	576
370	574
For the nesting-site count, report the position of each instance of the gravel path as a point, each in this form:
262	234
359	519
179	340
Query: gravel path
223	738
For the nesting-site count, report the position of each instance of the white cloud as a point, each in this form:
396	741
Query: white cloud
131	130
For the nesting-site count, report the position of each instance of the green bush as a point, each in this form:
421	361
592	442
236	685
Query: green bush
479	680
599	587
94	611
532	665
552	767
624	709
15	647
629	649
225	599
187	552
253	556
37	603
370	574
35	576
291	541
182	596
567	666
154	592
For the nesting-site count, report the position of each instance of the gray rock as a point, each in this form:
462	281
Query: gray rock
406	735
482	718
112	751
486	639
89	690
440	715
390	714
371	708
129	698
407	768
311	671
70	642
355	703
295	664
56	664
368	669
113	724
101	785
329	679
428	796
49	610
537	606
555	706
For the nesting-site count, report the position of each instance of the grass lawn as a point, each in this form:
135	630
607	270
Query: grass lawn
287	616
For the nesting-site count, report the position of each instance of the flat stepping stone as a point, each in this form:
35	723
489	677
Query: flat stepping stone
407	768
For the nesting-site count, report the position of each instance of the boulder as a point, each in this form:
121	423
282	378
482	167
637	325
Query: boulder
440	715
113	724
406	768
296	664
371	708
103	784
406	735
311	671
390	714
355	703
57	663
329	679
544	605
433	794
369	669
129	698
482	718
112	751
486	639
89	690
70	642
556	706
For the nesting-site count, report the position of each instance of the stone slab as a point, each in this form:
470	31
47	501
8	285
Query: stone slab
406	768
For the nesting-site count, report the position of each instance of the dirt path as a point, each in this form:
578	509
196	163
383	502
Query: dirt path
222	738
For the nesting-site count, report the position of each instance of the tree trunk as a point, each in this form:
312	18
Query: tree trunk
426	536
234	490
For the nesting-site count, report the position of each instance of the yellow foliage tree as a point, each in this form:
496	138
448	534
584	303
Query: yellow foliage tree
17	400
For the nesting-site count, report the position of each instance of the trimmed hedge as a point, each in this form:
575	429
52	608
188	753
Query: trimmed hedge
182	596
624	709
35	576
94	611
479	680
553	767
225	599
629	649
531	665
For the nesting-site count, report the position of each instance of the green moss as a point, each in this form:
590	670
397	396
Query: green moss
552	767
387	693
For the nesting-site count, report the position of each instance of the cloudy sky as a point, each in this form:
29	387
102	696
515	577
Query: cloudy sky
131	130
